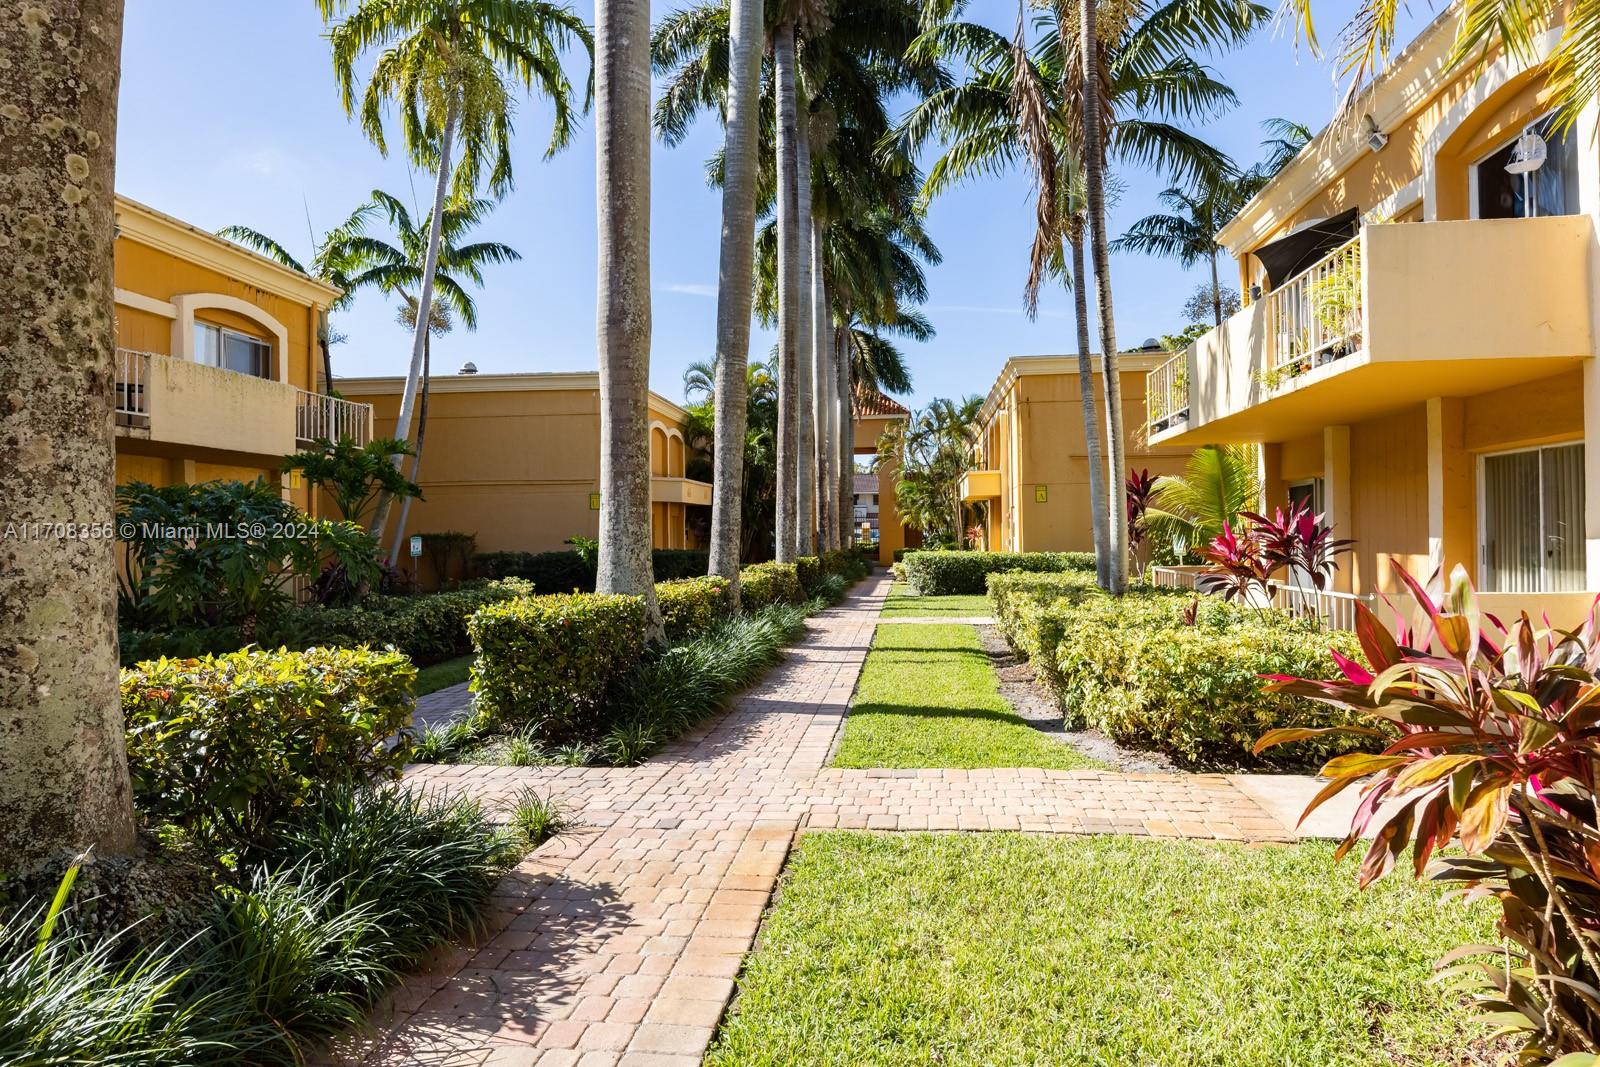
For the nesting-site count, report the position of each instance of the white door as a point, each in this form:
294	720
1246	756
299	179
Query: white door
1532	521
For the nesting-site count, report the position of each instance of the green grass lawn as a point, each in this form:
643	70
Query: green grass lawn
1096	951
929	698
903	602
443	675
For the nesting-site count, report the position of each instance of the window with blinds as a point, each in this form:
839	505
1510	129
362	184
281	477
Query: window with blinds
1533	533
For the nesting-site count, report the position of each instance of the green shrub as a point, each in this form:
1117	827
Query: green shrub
763	584
1020	600
668	564
691	606
224	745
947	573
808	572
569	572
548	661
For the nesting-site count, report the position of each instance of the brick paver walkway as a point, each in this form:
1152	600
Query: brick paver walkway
618	943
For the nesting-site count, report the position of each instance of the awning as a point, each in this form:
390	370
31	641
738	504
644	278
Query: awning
1288	256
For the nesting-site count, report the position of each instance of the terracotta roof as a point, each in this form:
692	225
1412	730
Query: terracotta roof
872	403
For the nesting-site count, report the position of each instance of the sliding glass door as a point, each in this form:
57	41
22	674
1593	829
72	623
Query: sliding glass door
1532	521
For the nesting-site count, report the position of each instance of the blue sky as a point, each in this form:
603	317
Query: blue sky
229	114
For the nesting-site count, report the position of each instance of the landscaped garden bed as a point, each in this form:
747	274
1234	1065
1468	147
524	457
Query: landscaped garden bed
978	949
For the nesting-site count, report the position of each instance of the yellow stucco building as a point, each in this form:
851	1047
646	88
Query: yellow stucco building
1417	357
1032	464
217	363
514	459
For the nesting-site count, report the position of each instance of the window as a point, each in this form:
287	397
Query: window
1307	494
1552	189
216	346
1531	514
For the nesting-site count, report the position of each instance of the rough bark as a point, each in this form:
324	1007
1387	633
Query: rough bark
788	208
416	458
734	294
63	765
1111	385
821	394
805	474
419	336
1091	420
1216	292
622	148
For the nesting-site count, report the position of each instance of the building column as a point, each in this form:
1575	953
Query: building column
1452	516
1336	492
1269	471
1591	470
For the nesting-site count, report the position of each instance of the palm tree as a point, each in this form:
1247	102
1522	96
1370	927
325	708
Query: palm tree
622	149
63	769
1187	231
1021	105
329	263
397	267
759	482
1218	484
447	63
933	449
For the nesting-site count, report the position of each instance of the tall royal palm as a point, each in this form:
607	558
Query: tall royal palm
622	196
449	65
742	46
329	263
397	267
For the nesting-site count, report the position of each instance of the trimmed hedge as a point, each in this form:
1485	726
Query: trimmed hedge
762	584
548	661
948	573
566	571
691	606
1140	670
226	744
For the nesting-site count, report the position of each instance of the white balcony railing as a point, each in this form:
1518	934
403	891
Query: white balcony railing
1335	610
318	416
1316	316
129	402
1166	393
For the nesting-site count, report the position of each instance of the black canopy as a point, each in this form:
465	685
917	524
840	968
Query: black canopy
1288	256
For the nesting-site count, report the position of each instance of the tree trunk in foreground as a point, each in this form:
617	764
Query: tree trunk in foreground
419	336
788	210
622	147
416	458
821	398
734	296
1094	168
805	474
846	435
1091	421
63	765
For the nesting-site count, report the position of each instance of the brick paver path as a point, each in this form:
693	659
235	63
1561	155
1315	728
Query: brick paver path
618	944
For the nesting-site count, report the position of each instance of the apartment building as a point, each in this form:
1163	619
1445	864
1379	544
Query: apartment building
217	362
1417	355
875	414
514	459
1031	458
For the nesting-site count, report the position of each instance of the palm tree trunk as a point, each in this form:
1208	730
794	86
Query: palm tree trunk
1111	379
1091	420
734	296
1216	291
845	433
419	336
622	148
805	475
325	342
416	457
63	767
821	380
788	208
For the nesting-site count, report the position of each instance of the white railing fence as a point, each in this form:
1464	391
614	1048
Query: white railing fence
1166	392
129	402
1335	610
1316	316
319	416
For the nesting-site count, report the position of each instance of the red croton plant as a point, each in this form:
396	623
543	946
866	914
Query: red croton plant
1487	736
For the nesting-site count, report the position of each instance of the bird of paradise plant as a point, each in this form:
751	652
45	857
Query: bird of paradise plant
1488	737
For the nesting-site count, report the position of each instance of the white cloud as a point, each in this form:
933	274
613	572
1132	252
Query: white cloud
690	289
985	309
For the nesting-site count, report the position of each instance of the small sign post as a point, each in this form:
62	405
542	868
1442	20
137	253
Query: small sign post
416	545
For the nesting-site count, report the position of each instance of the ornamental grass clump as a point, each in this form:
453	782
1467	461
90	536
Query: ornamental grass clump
1487	737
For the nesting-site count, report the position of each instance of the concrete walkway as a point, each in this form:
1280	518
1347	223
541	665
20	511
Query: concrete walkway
618	943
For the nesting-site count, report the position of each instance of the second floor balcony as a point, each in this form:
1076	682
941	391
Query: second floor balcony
1399	314
180	402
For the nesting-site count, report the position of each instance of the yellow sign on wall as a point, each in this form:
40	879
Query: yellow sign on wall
594	501
1041	494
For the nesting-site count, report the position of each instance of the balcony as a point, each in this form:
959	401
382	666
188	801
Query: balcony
177	402
980	485
1401	313
679	491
